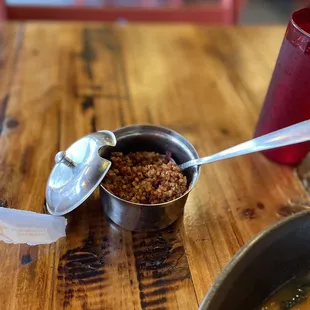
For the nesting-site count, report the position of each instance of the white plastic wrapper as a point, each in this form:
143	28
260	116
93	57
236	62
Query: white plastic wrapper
18	226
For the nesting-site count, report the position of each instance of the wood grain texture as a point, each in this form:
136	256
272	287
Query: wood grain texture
62	81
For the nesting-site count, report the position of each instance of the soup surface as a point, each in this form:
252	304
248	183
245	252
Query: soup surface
294	295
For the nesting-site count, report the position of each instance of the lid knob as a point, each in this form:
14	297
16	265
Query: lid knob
61	157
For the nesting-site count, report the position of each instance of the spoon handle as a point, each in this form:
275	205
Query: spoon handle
297	133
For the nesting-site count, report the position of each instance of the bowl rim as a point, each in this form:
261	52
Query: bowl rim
163	204
242	252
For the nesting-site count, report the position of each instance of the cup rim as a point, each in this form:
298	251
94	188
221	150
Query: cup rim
296	26
163	204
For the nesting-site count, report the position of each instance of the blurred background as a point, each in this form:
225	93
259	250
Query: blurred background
269	11
242	12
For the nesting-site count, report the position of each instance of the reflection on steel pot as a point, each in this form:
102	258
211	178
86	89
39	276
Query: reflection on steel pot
146	217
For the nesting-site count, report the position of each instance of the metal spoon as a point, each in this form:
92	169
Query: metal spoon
297	133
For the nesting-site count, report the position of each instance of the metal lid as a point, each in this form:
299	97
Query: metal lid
78	172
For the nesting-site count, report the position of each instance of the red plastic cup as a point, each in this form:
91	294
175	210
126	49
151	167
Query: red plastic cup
288	97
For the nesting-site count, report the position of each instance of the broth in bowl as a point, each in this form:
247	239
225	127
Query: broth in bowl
294	295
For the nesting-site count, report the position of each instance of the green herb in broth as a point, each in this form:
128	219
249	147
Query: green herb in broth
293	296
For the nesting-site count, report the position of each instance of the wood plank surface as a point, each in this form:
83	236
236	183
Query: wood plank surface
59	82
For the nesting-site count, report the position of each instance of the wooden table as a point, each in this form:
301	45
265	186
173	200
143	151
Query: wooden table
62	81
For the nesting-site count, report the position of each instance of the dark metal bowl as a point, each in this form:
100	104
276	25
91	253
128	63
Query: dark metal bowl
272	258
146	217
